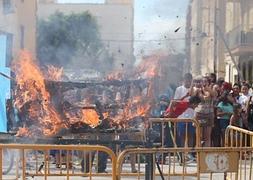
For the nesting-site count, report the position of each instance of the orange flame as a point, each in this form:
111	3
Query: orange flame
54	73
135	107
32	91
90	117
117	75
149	66
86	116
29	79
33	95
23	131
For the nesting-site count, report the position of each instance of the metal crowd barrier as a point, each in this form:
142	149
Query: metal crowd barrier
35	160
171	136
169	128
238	137
213	163
183	160
177	133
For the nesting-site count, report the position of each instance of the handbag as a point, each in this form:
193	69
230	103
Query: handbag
202	118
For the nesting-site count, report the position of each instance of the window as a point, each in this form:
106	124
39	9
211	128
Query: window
82	1
9	49
7	7
22	36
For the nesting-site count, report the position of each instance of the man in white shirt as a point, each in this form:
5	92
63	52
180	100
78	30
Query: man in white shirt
189	113
182	92
243	99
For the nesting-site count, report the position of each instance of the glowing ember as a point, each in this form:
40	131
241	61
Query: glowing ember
86	116
117	75
135	107
23	131
106	115
90	117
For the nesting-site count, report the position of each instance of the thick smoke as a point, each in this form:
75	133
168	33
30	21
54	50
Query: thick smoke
72	42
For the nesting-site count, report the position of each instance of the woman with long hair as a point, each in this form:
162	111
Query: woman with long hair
205	109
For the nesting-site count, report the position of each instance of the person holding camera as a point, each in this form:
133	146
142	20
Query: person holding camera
224	112
205	111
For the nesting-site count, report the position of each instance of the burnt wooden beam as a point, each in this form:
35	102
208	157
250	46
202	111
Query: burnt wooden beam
68	85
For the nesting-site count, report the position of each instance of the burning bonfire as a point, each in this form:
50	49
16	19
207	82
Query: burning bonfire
44	112
33	100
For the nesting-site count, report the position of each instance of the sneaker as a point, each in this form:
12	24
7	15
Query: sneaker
102	171
190	158
134	171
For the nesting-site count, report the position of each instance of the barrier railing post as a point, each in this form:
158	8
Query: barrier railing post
1	163
149	167
250	161
68	164
45	165
23	164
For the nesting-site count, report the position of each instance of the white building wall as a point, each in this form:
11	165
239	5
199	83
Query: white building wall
21	14
207	49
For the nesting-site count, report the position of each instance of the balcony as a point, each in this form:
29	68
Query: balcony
240	42
234	1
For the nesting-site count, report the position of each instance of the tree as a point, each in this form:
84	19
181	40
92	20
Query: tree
71	40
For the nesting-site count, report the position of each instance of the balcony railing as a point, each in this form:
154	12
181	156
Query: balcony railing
238	38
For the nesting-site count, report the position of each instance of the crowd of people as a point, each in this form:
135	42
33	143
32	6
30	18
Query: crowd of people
214	103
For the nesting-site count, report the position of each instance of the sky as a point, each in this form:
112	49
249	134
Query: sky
81	1
158	20
155	24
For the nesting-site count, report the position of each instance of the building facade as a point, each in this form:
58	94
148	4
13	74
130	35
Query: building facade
17	31
211	25
239	35
18	24
205	26
115	19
